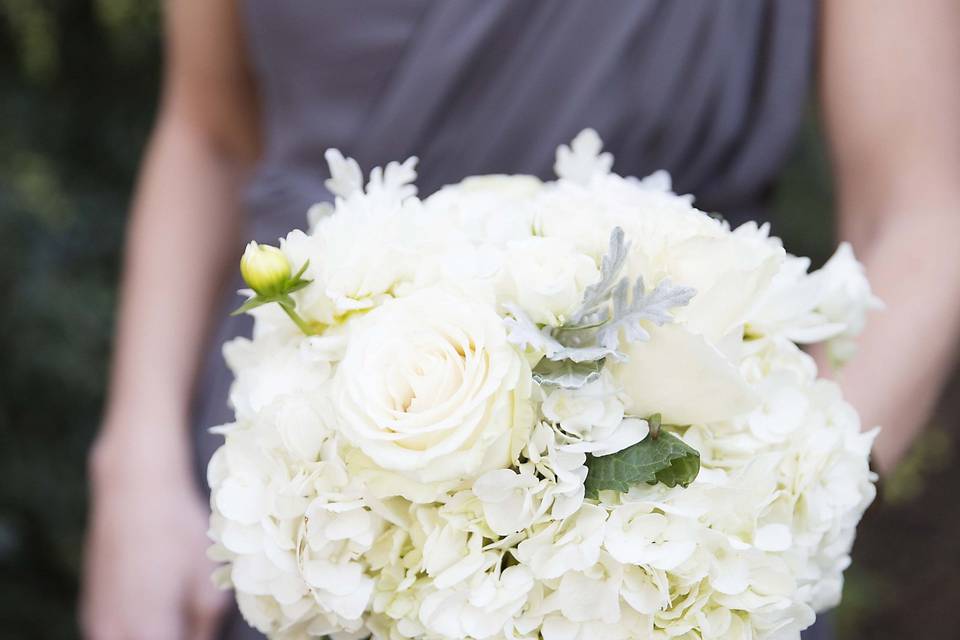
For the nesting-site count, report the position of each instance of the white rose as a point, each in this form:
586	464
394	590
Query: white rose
546	277
682	377
729	273
494	209
429	386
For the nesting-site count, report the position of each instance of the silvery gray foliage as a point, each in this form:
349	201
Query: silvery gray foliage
575	351
596	297
654	307
524	332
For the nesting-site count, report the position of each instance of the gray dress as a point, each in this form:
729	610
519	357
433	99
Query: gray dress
712	91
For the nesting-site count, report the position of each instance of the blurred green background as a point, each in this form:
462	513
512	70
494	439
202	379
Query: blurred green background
78	82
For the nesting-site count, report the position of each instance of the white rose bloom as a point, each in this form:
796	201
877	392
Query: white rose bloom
546	278
492	210
683	378
729	274
429	386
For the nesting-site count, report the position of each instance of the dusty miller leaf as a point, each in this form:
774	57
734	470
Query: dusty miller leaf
575	352
524	332
583	159
394	183
583	355
566	374
345	175
653	307
597	296
666	459
387	185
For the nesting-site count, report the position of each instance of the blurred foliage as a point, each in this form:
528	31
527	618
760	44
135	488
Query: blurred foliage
78	81
77	87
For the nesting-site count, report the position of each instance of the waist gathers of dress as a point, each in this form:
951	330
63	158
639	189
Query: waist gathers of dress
713	92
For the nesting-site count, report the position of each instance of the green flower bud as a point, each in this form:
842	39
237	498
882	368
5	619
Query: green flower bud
264	268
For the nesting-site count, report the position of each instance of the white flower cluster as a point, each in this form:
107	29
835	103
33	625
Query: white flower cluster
409	471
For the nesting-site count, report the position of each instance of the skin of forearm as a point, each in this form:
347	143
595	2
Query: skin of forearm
908	349
183	235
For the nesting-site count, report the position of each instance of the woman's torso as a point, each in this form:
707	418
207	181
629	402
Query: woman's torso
711	91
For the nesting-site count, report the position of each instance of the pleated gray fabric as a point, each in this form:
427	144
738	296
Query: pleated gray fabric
712	91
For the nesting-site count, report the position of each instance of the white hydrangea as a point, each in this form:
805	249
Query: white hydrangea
411	471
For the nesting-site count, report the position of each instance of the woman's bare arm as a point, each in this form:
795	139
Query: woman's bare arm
184	229
145	570
891	99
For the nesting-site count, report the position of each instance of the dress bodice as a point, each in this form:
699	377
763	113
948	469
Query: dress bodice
711	91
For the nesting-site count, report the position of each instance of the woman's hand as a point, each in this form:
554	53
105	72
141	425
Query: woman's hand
146	573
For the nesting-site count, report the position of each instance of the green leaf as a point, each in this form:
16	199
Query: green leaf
566	374
296	279
665	458
252	303
296	286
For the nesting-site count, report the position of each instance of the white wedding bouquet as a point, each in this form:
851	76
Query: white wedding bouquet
515	409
